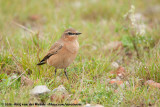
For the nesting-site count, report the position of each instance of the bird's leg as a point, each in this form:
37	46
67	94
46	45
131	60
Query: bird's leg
65	73
55	71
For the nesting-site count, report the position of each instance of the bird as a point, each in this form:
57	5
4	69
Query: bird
63	52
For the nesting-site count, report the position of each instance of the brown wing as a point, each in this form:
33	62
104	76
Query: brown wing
53	50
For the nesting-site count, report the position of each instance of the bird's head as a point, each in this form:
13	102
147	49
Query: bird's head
70	34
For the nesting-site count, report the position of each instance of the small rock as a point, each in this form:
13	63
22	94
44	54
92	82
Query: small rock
115	65
60	88
59	94
89	105
26	81
41	89
152	84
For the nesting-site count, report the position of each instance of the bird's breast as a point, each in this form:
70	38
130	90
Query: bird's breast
72	47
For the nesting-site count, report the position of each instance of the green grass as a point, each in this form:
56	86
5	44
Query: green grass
100	23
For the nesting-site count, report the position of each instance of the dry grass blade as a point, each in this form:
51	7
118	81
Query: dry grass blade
16	78
23	27
17	62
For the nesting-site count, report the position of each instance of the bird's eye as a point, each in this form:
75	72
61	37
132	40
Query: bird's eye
69	33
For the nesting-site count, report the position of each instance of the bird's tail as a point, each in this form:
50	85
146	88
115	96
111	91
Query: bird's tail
41	63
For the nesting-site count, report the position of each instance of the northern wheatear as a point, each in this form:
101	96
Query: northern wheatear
63	52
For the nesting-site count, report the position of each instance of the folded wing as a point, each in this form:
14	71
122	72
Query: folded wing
53	50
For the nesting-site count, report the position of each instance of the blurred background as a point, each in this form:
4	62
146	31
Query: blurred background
125	32
99	20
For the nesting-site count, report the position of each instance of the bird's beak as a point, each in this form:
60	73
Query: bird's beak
78	33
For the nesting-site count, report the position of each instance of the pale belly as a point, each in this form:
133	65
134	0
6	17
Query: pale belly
62	59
